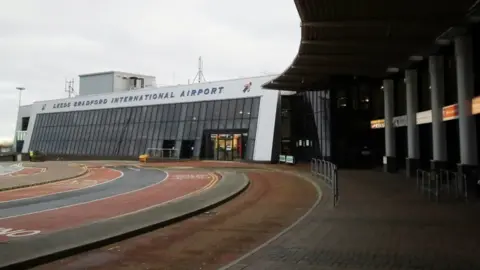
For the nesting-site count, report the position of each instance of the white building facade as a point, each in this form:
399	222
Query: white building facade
223	120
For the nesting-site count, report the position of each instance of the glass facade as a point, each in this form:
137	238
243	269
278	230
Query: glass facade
129	131
306	125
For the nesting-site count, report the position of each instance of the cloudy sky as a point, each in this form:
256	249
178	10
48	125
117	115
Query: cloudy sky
42	43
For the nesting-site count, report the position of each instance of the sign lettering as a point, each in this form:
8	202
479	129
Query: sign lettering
138	98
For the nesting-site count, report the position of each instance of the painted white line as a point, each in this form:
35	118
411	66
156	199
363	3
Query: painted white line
319	198
65	191
104	198
133	169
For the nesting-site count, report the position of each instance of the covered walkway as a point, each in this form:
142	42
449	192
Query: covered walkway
381	222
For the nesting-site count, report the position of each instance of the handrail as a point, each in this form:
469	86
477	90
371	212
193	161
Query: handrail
442	183
328	171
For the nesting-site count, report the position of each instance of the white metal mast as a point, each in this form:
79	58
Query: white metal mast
199	78
69	88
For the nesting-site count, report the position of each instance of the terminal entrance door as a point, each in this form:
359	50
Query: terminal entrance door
226	146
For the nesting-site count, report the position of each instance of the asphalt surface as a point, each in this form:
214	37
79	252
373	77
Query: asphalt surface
133	179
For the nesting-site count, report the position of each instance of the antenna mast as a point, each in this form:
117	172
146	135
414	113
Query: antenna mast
69	88
199	76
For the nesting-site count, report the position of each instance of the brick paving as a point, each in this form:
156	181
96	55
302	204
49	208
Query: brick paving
55	171
380	223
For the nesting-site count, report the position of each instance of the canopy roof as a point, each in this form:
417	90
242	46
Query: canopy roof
366	37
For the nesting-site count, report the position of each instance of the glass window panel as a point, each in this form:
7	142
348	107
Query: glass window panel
131	147
203	110
110	116
156	130
186	130
159	117
255	107
136	131
190	107
86	118
138	114
247	107
231	109
210	107
173	134
148	114
250	149
123	115
196	111
193	130
245	123
178	112
224	109
207	125
170	111
150	128
168	130
161	129
101	116
214	124
229	124
128	131
252	131
200	129
183	112
222	123
136	148
143	114
181	130
217	109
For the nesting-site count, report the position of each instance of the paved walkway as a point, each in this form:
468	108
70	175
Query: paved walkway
54	171
381	223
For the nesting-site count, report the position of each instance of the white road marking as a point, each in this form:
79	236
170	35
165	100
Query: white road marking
9	232
82	203
60	192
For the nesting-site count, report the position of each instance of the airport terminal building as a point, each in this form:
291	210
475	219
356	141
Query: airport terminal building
223	120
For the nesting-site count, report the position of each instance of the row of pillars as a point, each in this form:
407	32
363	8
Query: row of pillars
467	126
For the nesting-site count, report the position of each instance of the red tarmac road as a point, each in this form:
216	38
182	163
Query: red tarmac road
175	186
96	176
26	171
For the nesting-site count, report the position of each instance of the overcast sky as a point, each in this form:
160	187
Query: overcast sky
44	42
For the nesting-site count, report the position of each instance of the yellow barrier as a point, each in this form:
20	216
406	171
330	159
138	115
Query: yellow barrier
143	158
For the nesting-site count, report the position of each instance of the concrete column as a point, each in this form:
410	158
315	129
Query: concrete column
439	138
465	91
466	122
389	162
413	159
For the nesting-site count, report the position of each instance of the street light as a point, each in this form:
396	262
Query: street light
20	89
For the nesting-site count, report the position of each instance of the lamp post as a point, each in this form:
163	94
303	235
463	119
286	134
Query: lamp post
20	89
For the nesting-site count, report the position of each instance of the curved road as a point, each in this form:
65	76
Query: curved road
132	180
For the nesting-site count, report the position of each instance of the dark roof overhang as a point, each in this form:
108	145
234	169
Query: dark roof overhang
371	38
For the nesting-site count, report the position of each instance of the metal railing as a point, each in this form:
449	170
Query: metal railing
442	184
163	153
329	173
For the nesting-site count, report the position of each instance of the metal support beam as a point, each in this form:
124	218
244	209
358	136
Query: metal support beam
415	22
370	42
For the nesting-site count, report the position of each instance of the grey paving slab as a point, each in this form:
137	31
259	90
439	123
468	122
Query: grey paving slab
55	171
131	181
23	253
381	223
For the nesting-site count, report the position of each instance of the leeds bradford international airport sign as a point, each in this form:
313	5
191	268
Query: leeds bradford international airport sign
138	98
